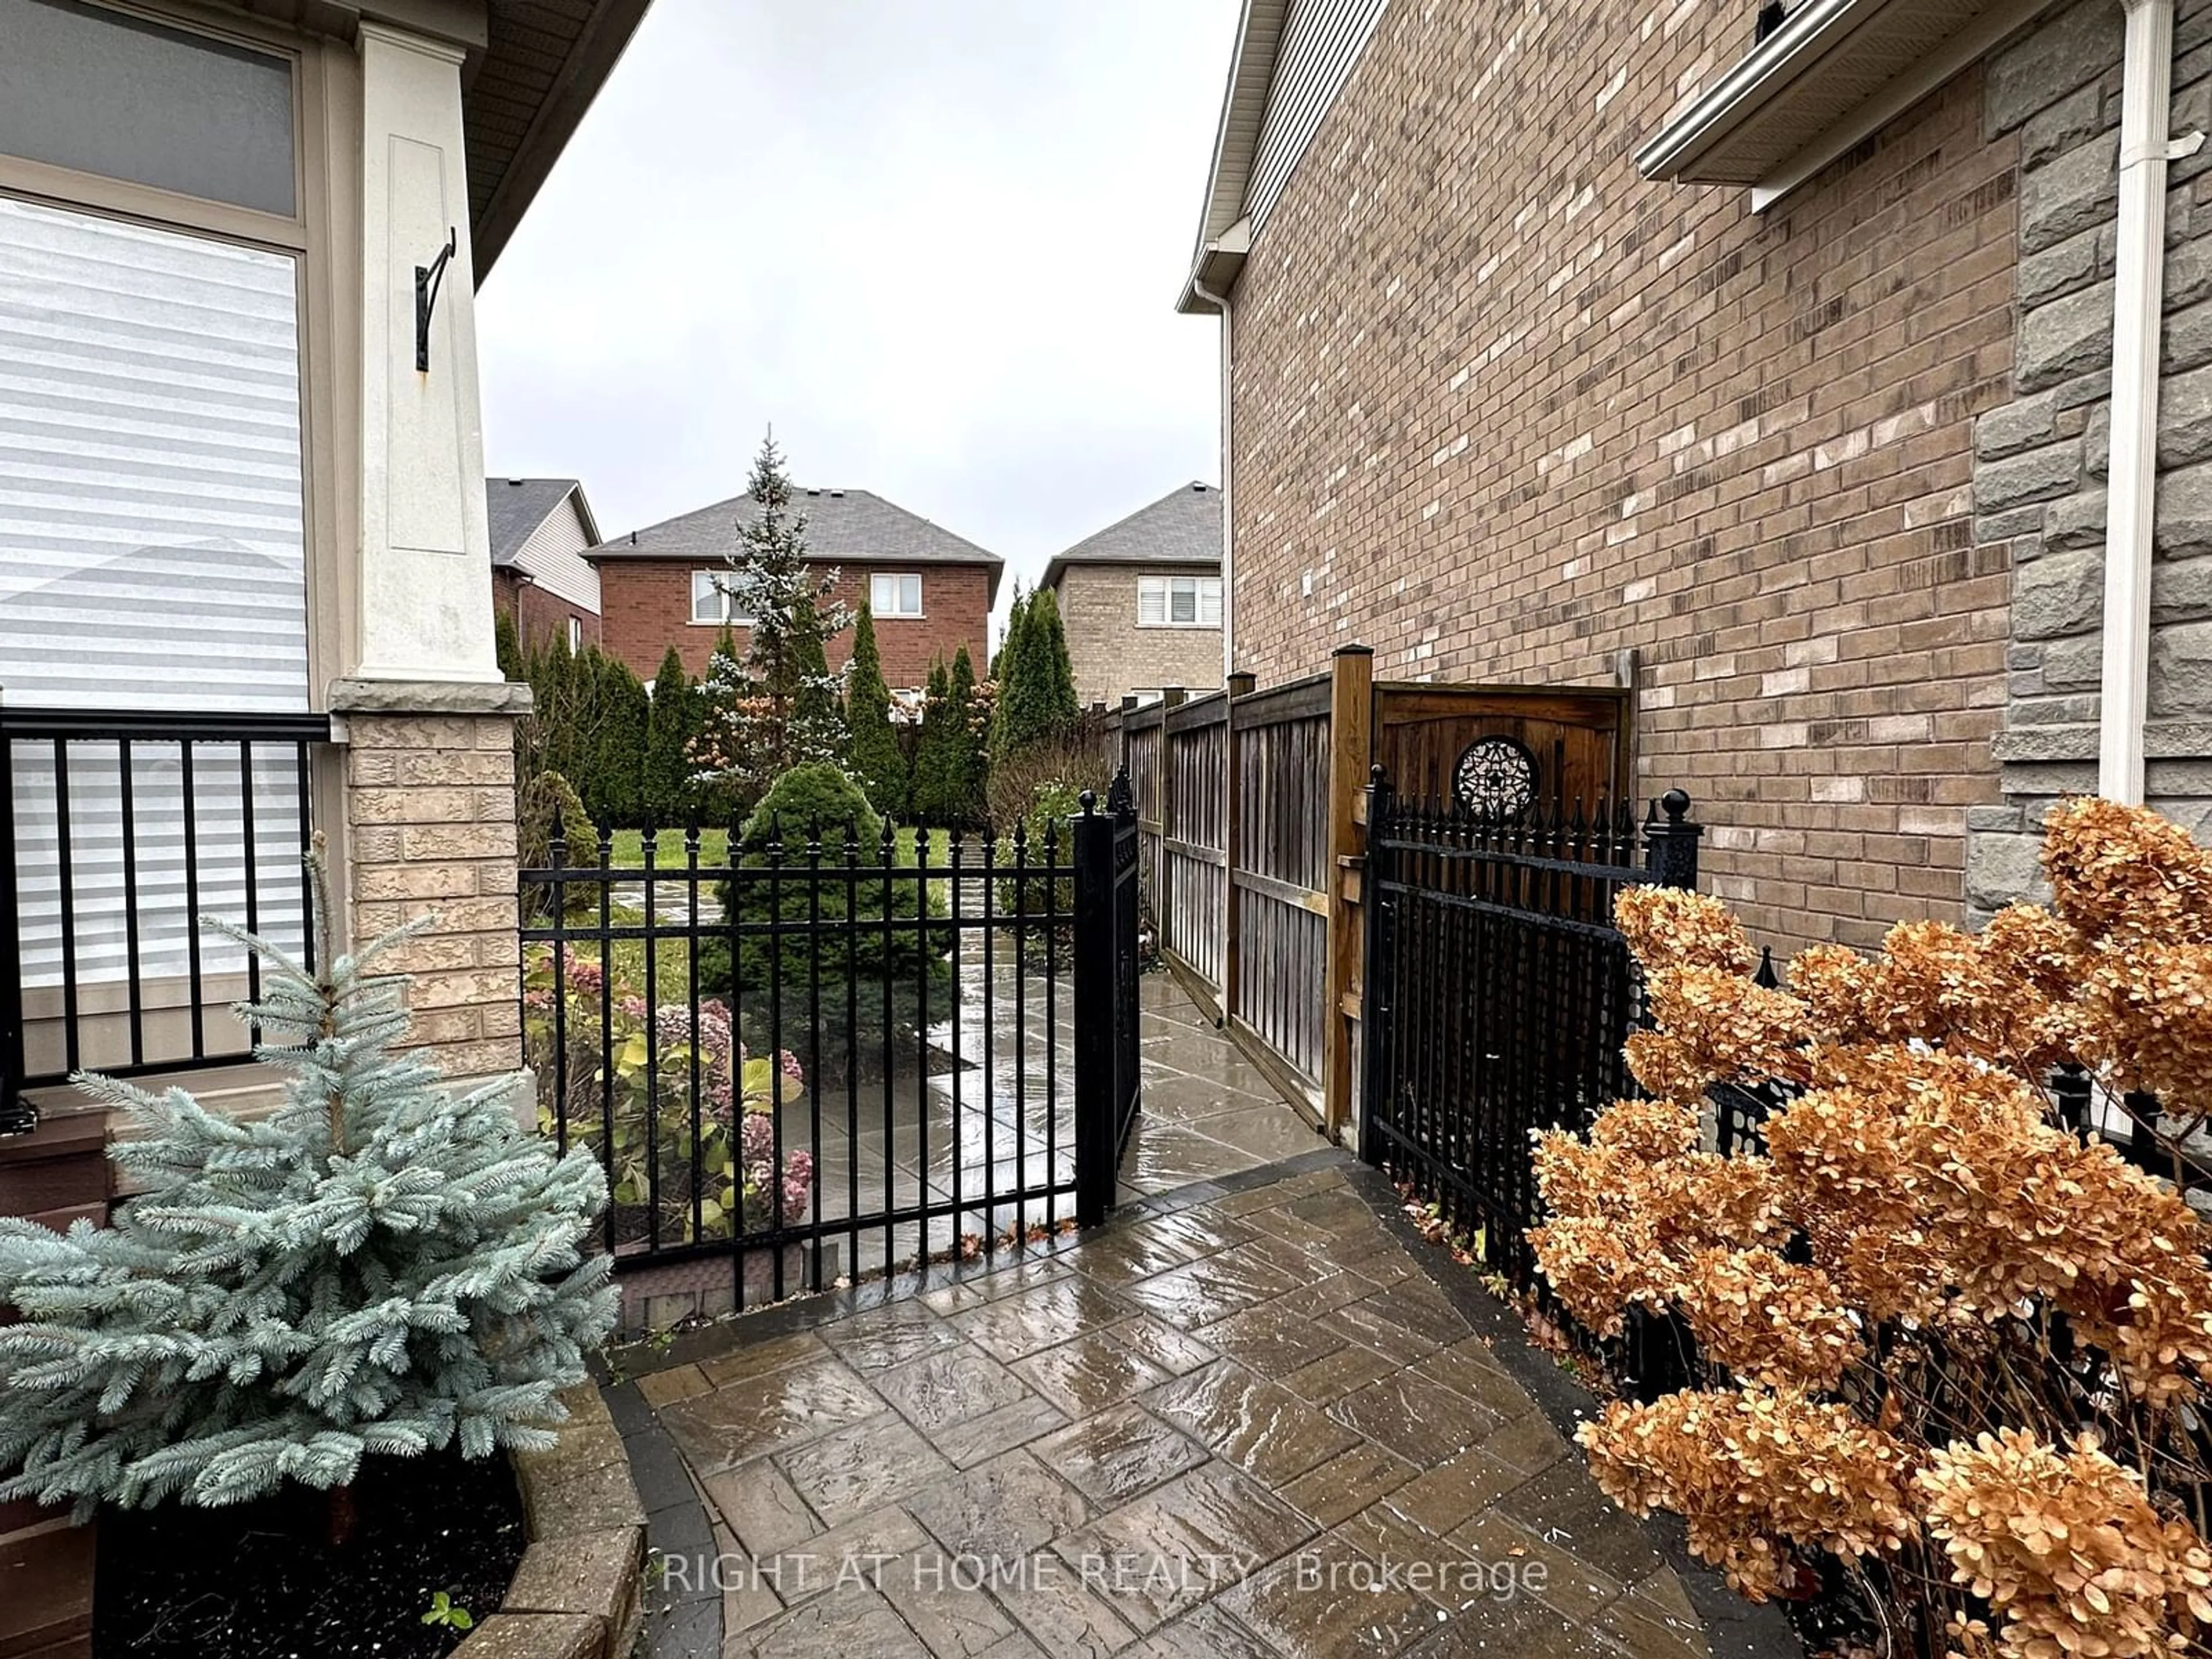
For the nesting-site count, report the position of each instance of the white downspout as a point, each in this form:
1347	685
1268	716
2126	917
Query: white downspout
2138	304
1221	302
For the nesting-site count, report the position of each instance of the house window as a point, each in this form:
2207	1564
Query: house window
895	595
152	246
712	605
576	634
1179	602
122	98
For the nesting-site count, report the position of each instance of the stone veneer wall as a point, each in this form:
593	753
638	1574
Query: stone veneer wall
2040	458
429	825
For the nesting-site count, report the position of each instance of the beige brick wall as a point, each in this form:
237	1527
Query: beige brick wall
1111	655
429	810
1502	409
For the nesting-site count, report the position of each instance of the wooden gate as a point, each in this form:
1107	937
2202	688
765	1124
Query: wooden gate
1251	808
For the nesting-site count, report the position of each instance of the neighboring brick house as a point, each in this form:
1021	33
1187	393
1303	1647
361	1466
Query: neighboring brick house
245	587
1141	600
930	591
1569	344
540	528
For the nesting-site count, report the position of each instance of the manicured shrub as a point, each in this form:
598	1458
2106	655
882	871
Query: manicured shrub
900	972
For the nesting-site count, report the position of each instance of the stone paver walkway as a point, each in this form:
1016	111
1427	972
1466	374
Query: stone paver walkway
1249	1425
1254	1417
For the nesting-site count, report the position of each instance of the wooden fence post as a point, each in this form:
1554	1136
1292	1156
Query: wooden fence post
1232	834
1350	752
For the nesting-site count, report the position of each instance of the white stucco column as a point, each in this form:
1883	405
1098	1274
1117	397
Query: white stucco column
425	600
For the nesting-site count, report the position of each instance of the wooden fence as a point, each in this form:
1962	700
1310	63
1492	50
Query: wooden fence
1251	808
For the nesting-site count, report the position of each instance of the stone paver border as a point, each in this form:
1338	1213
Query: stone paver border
576	1594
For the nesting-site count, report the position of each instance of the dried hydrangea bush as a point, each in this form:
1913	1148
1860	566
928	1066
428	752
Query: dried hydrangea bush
1951	1353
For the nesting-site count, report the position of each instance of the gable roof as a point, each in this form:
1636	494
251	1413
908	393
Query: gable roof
844	526
1182	527
514	507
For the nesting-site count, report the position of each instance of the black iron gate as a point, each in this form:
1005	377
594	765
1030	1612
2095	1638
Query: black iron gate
1109	1078
1498	992
820	1056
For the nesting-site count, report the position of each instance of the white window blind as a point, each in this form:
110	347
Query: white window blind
1179	602
711	602
152	557
895	595
152	543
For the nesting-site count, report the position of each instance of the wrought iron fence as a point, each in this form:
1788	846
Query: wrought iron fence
823	1055
122	829
1498	992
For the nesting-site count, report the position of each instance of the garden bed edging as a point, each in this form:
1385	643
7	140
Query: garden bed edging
578	1593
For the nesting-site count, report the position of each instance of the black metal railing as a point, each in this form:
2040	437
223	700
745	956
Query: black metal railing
823	1055
125	828
1497	993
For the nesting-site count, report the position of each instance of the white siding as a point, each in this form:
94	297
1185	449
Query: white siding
1322	41
553	557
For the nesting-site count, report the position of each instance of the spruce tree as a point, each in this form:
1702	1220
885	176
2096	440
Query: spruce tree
786	711
380	1268
670	725
878	763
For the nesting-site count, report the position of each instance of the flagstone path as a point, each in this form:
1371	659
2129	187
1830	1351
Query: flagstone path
1254	1417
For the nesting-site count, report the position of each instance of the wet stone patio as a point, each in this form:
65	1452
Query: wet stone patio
1254	1417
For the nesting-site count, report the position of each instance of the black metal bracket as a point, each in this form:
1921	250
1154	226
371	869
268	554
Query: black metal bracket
428	281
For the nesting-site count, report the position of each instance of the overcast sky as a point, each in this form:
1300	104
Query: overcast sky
936	243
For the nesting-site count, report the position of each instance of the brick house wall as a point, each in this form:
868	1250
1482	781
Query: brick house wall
538	612
646	606
1503	411
1111	655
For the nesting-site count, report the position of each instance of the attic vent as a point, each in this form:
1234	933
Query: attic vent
514	481
837	494
1200	488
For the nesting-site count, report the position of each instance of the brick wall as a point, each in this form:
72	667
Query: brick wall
430	805
2040	473
646	606
1111	655
539	613
1502	409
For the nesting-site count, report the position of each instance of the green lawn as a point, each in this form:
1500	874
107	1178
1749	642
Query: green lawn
715	848
668	847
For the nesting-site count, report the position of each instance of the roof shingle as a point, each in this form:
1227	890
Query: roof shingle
514	507
1182	527
842	526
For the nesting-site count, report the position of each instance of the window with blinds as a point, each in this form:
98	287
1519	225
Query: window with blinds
152	537
1179	602
152	558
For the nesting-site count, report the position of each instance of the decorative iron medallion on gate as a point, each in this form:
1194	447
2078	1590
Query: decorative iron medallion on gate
1495	778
